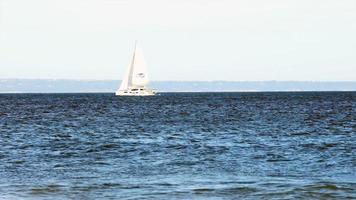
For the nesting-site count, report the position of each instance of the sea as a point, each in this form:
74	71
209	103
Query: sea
247	145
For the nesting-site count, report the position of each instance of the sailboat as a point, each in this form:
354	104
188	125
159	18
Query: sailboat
135	80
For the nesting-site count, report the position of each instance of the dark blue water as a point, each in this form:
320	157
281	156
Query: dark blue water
178	146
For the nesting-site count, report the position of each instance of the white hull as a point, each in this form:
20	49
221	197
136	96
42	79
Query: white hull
135	92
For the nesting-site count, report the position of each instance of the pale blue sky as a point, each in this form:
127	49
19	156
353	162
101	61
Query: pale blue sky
182	39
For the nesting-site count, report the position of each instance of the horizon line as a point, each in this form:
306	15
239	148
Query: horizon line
71	79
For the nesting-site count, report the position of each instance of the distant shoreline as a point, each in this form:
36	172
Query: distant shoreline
113	93
11	86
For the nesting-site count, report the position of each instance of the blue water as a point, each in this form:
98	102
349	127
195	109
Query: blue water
178	146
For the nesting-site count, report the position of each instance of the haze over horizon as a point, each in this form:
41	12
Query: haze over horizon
196	40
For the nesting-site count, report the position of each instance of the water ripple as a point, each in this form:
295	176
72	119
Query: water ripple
178	146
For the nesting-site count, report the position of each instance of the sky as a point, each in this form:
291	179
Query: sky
199	40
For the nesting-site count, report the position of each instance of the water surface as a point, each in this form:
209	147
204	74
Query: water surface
178	146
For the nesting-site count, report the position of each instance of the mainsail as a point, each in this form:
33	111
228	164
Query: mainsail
139	76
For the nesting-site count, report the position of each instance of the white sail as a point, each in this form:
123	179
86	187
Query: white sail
125	81
139	76
136	78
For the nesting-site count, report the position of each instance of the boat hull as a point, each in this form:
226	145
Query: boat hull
135	93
